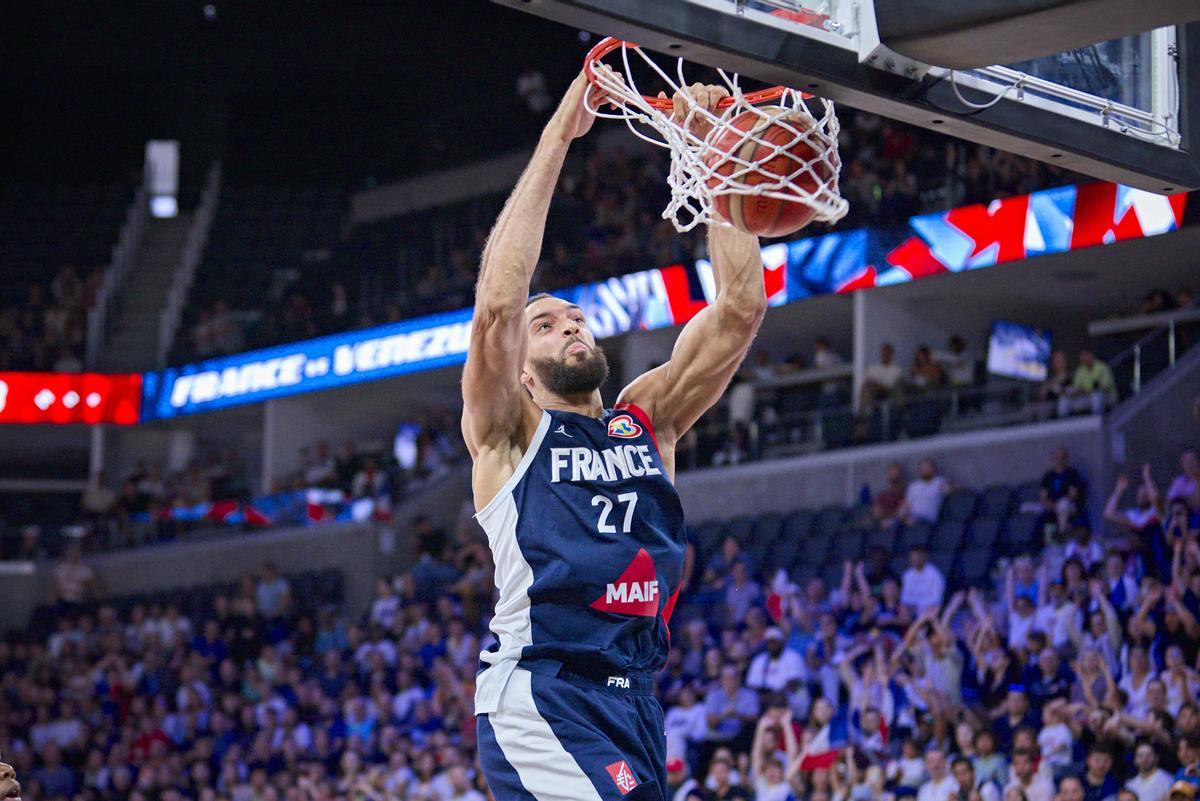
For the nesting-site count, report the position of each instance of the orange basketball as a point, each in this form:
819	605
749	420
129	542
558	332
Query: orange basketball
758	214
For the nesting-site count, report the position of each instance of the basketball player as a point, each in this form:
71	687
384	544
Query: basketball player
10	788
579	505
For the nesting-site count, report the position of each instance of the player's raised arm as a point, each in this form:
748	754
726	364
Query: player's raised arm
493	399
713	344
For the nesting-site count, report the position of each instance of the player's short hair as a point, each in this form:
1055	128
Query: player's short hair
537	297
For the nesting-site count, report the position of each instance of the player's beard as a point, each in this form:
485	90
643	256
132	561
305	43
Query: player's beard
568	375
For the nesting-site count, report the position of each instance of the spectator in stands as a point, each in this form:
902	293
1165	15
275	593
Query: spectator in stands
731	709
777	668
924	495
74	583
941	784
1058	378
1032	784
923	585
925	373
1062	489
272	593
1092	386
1186	485
1144	520
824	357
370	481
880	379
225	331
885	511
1151	782
958	364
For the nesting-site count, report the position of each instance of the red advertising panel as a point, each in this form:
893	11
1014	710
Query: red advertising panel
70	398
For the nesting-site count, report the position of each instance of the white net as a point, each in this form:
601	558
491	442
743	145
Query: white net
785	150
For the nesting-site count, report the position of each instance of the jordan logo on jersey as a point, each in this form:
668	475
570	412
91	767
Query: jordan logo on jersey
623	426
622	776
635	592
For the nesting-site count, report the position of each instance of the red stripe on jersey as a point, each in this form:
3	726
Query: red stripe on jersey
642	418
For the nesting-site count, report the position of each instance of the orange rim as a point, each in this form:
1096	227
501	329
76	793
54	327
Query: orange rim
609	44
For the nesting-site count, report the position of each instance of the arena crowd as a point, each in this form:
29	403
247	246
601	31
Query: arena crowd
1068	674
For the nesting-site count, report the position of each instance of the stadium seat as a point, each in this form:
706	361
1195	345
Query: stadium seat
741	528
830	520
708	536
797	526
831	573
923	418
947	536
768	528
918	534
996	501
973	567
1029	492
1022	533
959	506
880	539
983	533
943	561
848	544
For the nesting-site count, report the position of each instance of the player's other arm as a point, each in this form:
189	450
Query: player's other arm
713	344
493	398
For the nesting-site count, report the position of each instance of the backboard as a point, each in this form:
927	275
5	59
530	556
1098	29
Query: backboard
1127	110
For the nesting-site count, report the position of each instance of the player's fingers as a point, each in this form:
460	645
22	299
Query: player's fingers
715	95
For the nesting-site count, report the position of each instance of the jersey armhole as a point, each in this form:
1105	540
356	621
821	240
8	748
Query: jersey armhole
521	469
642	418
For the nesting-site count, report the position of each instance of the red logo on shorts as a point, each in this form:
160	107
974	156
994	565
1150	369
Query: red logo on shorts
622	776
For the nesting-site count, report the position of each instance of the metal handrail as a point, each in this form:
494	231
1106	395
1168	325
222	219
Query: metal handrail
171	316
124	253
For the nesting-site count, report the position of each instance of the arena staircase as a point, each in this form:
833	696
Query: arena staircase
132	344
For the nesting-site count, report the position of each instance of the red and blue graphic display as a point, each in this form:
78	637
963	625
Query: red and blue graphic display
966	238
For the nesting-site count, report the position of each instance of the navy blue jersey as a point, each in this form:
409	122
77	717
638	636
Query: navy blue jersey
588	540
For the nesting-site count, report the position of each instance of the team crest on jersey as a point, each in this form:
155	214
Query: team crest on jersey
624	427
622	776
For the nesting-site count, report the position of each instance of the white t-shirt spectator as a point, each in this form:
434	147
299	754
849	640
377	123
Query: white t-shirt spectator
384	609
1184	486
885	375
1058	622
270	596
771	792
1056	742
924	498
1154	787
938	791
72	581
1041	788
1019	628
685	725
774	674
922	589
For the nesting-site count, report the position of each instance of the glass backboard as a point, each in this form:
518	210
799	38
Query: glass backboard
1117	110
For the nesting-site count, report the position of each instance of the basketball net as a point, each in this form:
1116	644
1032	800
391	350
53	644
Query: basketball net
804	162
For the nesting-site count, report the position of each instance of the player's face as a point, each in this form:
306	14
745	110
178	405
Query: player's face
563	356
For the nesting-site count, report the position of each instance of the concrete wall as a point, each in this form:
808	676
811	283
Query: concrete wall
973	459
1154	426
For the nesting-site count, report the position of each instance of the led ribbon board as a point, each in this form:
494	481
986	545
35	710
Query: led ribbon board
966	238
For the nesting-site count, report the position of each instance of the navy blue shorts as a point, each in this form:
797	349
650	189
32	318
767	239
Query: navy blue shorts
558	736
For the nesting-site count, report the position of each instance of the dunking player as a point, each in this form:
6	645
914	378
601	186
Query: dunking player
579	505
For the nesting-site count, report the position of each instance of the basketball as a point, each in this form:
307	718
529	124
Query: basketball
751	138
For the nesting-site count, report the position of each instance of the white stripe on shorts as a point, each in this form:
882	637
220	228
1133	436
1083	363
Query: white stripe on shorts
546	769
